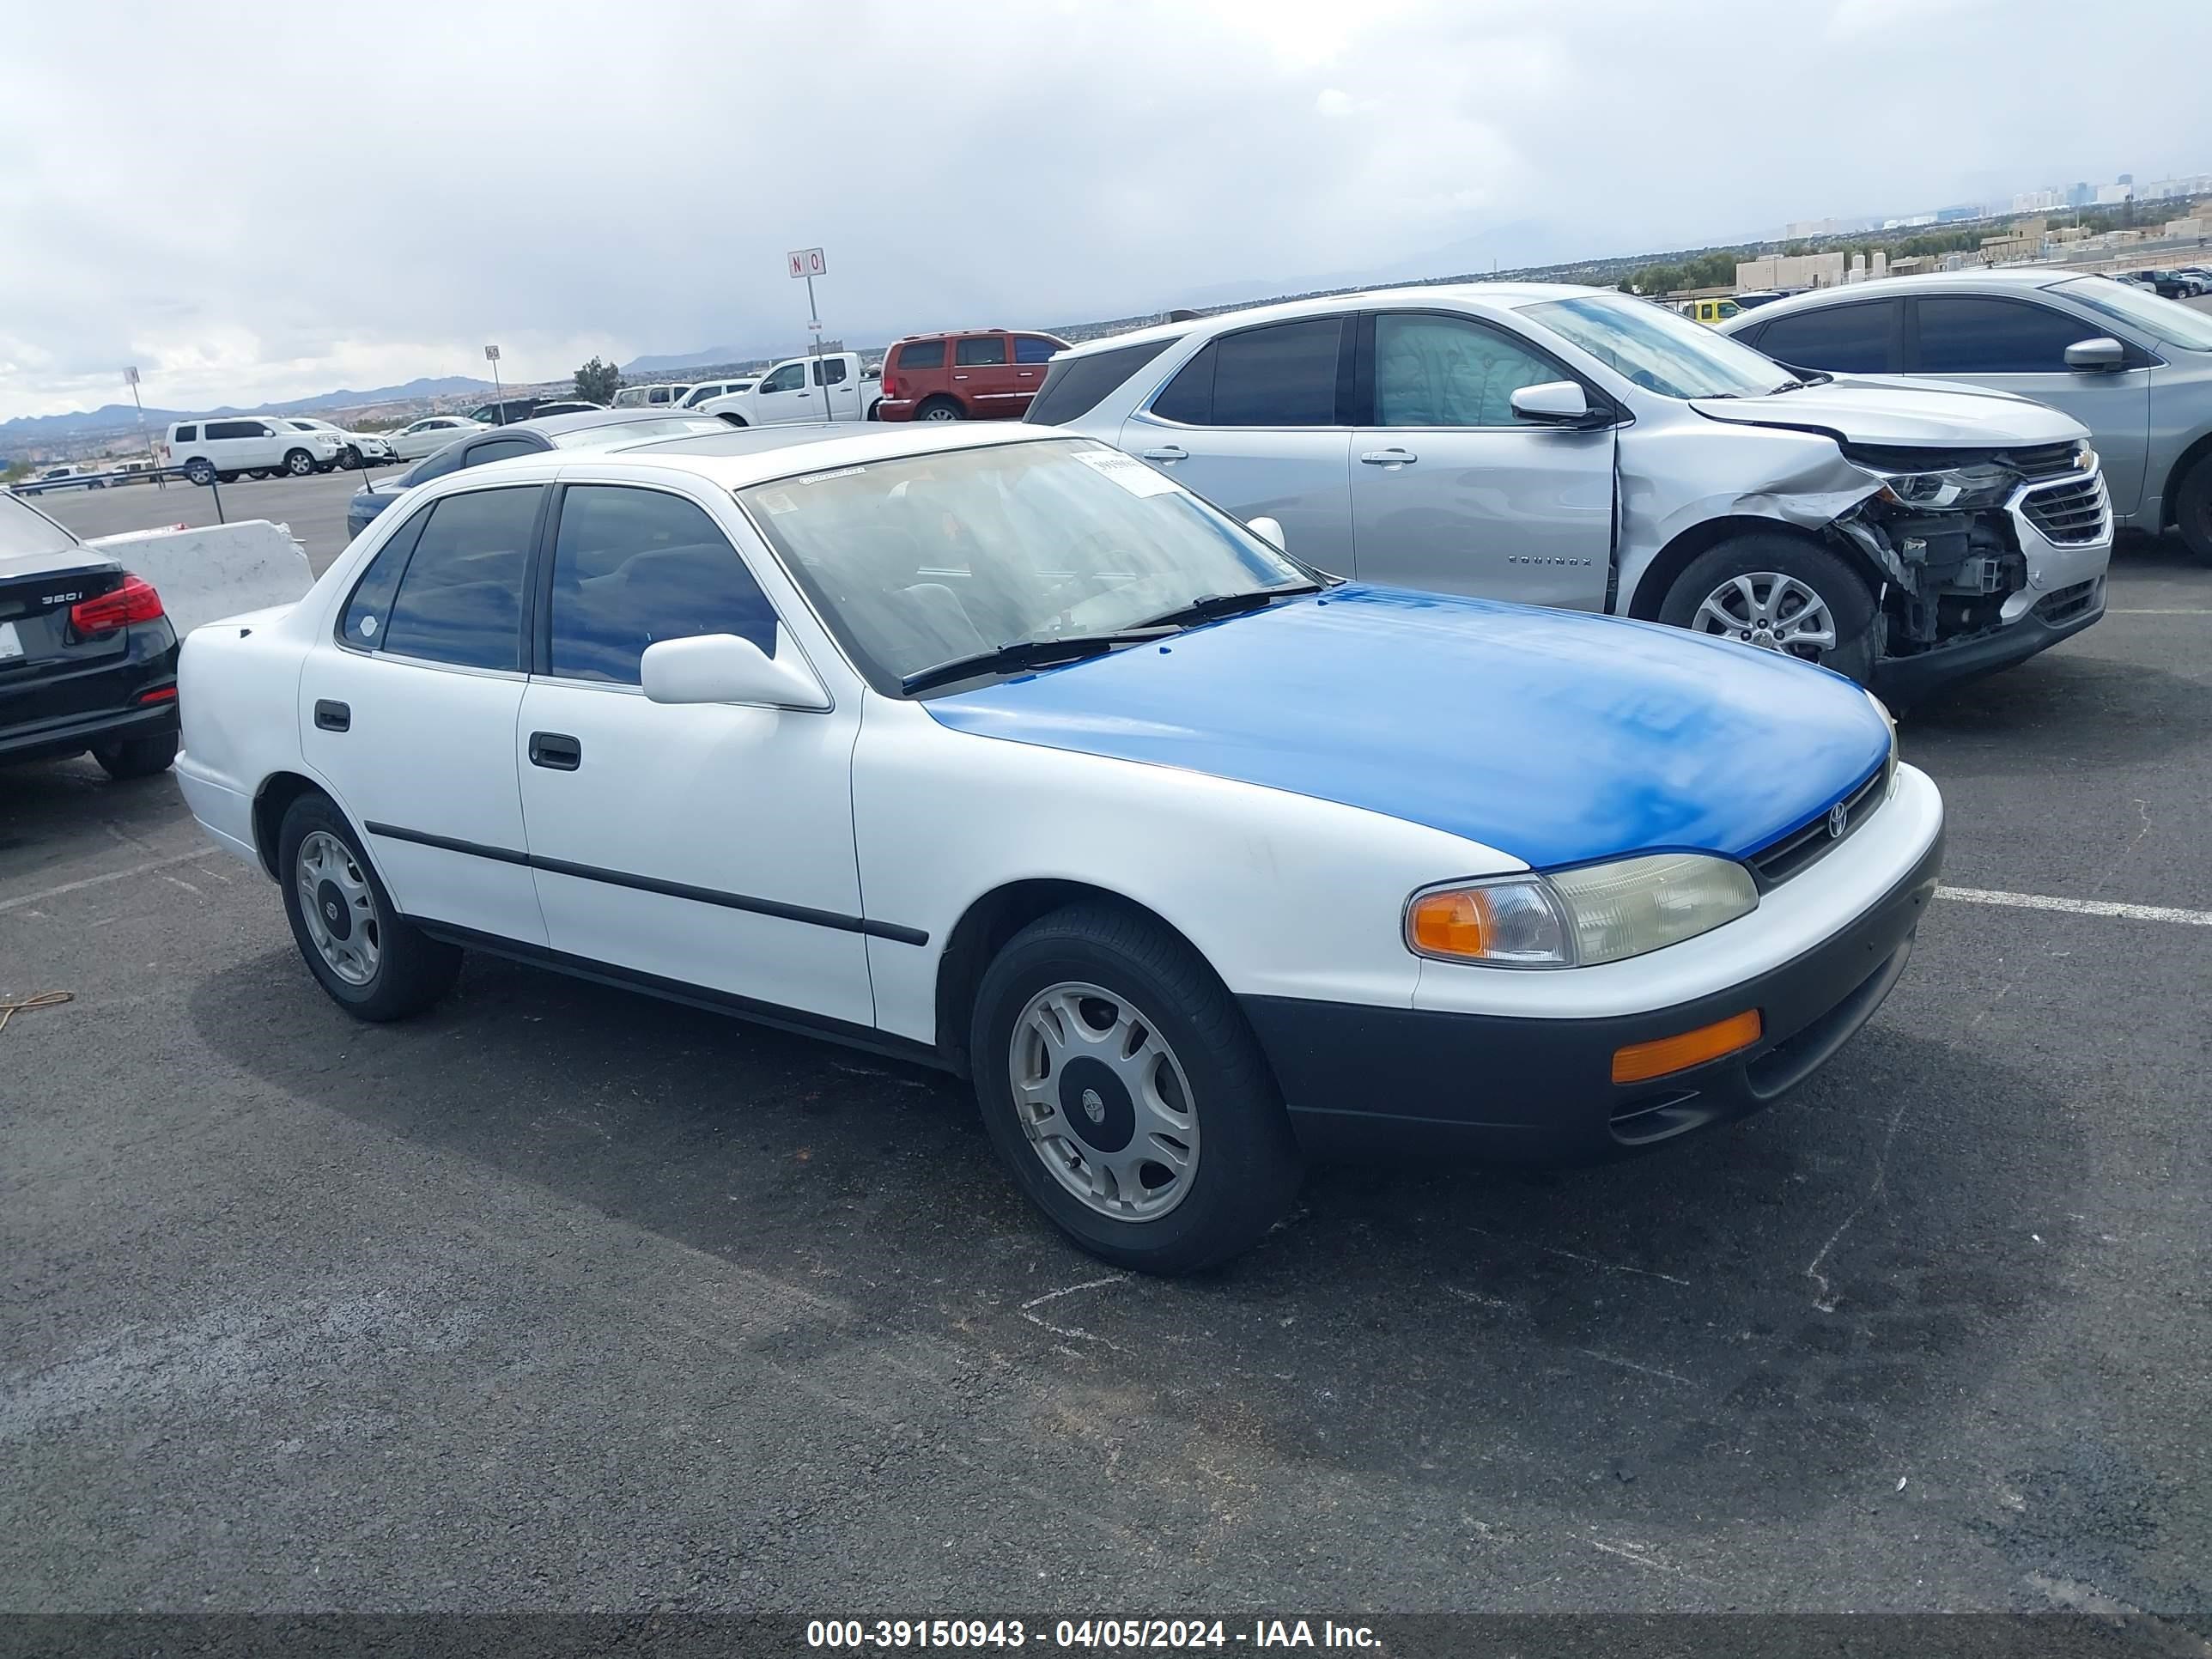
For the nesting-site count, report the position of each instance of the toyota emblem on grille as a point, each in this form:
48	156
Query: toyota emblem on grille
1839	821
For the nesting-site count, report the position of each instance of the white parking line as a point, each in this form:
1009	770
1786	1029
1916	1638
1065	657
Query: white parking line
21	900
2078	907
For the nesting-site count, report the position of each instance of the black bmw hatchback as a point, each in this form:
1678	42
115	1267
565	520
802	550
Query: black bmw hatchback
87	658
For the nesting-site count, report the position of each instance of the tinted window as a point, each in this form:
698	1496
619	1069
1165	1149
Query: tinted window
1965	335
460	600
187	435
1073	385
633	565
448	459
1282	375
790	378
828	371
500	449
370	607
233	429
1034	349
1844	339
922	353
982	348
1442	371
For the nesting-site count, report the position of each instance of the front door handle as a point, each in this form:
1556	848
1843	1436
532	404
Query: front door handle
1391	457
556	750
1165	452
332	716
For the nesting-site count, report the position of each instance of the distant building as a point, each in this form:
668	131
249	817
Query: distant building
1961	215
2037	201
2110	195
2080	195
1790	272
1798	230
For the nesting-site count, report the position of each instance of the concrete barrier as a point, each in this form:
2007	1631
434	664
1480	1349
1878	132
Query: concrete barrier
204	575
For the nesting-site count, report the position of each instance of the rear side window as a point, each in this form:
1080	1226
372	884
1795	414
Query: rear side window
633	565
828	371
922	353
370	607
1968	334
1281	375
1074	387
187	435
1853	339
460	599
498	450
980	350
1034	349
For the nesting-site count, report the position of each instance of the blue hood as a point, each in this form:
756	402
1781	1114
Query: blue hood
1555	737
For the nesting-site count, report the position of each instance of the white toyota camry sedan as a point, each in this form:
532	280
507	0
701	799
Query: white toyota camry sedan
995	749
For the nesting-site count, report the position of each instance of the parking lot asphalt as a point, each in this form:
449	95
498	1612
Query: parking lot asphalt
560	1297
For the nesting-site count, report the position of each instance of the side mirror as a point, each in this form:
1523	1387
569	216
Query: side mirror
1555	403
1270	531
2102	354
724	668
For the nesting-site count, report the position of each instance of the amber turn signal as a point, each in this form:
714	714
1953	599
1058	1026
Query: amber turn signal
1639	1062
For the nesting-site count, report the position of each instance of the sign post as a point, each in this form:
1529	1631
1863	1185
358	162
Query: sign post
807	262
131	379
498	394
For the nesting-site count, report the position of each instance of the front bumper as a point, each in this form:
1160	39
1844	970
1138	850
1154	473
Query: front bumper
1361	1079
2053	616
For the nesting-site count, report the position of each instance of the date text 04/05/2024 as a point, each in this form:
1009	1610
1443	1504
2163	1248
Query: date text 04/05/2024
1086	1634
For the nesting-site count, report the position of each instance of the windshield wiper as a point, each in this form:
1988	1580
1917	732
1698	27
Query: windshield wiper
1030	654
1208	606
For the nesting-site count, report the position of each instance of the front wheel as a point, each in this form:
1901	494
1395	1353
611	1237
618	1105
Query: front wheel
351	459
298	463
137	757
2193	509
1126	1094
374	964
1780	594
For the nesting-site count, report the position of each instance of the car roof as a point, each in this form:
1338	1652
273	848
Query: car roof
751	455
584	419
1492	297
2015	279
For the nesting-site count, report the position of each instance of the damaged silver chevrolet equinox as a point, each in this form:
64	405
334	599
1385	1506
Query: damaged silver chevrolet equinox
1573	446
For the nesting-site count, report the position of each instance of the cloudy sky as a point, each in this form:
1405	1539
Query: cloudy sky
264	202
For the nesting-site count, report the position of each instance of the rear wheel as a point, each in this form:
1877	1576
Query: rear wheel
375	964
937	409
1780	594
227	477
137	757
2193	508
1120	1082
298	463
200	473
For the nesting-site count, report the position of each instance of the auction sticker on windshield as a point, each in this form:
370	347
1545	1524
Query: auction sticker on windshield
1132	474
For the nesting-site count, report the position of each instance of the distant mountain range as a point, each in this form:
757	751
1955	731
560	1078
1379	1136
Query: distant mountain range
122	417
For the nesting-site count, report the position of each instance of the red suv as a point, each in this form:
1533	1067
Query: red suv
983	375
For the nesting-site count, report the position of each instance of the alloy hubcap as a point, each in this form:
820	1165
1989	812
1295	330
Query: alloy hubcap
339	908
1771	610
1103	1101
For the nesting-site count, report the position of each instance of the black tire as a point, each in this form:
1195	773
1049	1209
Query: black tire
413	970
137	757
2193	509
227	477
1248	1166
876	410
298	463
1849	600
350	459
200	473
258	473
939	409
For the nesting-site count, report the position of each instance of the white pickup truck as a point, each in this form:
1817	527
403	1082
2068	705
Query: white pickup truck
838	385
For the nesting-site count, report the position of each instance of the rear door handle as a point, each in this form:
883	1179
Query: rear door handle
556	750
332	716
1165	452
1392	457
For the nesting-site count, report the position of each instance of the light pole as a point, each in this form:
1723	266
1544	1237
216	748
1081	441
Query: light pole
498	394
131	379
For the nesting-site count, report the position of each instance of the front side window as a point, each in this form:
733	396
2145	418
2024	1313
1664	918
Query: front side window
631	567
915	561
2168	321
1444	371
1852	339
460	599
1967	334
922	353
1284	374
1658	350
791	377
219	430
1034	349
979	351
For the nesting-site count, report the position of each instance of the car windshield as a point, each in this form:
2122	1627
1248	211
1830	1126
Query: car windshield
1658	350
2168	321
637	432
26	530
923	560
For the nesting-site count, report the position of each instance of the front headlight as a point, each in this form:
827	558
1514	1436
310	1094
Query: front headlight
1580	918
1953	489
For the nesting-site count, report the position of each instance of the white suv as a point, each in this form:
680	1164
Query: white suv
259	444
